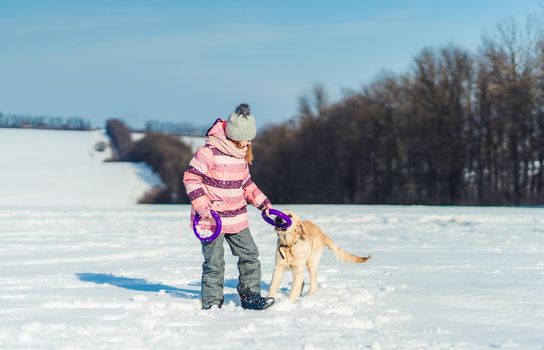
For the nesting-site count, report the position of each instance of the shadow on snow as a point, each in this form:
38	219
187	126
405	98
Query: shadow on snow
138	284
142	285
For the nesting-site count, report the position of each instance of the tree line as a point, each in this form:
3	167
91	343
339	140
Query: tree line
457	128
43	122
185	129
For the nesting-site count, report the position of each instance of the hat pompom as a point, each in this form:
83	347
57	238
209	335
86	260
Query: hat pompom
241	124
242	109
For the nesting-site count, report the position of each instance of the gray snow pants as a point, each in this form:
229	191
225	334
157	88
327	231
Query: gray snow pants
213	268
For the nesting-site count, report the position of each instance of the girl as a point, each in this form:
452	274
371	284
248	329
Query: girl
218	179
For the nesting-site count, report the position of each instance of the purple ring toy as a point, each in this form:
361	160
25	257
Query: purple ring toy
278	213
217	231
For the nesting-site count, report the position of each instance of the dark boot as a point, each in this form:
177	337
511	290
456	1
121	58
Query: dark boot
255	302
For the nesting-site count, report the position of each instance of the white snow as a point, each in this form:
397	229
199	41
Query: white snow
85	276
62	168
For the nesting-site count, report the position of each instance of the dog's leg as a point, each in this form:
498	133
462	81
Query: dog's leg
312	269
298	279
276	280
312	264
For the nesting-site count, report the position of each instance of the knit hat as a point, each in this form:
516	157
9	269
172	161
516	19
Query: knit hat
241	124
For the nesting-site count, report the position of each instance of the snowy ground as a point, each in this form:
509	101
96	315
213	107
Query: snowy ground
461	278
62	168
123	276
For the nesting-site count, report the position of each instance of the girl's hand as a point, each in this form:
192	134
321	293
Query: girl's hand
267	210
206	220
206	215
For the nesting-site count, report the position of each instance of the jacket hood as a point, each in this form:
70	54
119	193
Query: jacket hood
218	129
217	138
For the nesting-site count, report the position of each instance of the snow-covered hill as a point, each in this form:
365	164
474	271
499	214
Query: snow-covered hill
62	168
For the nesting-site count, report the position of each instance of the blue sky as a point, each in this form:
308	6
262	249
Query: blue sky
194	61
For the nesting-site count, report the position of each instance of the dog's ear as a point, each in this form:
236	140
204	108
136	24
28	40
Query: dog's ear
299	228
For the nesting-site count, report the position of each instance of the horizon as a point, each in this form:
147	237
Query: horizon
171	62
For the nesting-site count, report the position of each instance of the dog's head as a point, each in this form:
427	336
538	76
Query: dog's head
289	235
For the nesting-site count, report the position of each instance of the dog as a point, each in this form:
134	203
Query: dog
299	245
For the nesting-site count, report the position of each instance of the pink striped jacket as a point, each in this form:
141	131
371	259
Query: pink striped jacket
221	182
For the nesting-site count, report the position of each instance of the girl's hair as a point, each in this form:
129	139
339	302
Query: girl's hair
249	154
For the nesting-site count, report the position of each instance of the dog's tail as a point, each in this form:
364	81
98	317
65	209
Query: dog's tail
343	255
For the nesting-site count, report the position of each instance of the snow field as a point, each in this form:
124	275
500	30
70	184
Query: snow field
455	278
50	168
